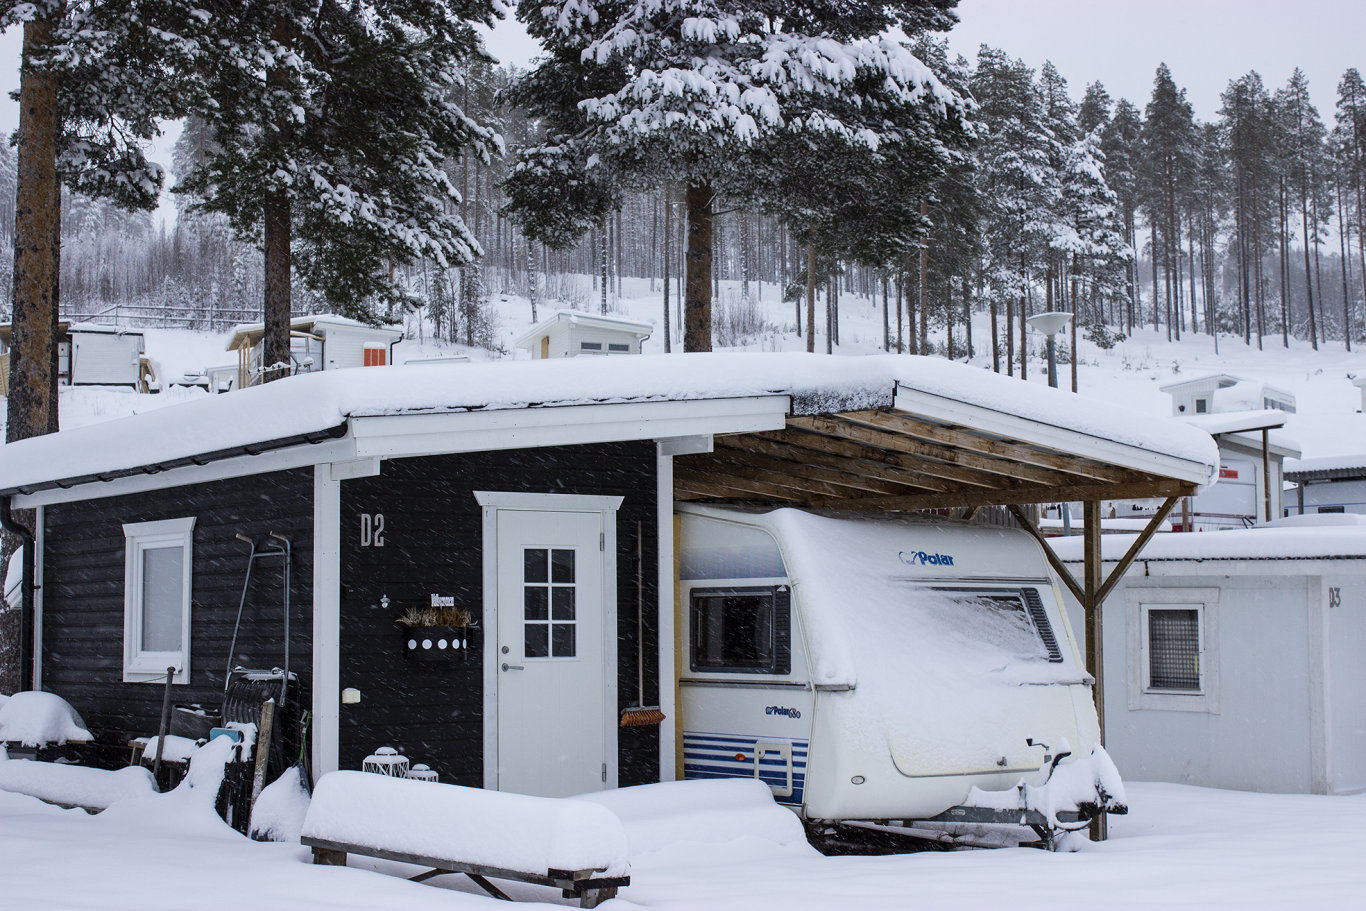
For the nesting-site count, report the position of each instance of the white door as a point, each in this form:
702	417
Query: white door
550	653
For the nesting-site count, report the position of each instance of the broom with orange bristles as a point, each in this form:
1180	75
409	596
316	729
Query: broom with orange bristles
640	714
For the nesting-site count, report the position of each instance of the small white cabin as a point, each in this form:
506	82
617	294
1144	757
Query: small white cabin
318	342
569	333
1250	485
1238	660
92	354
1222	392
1334	484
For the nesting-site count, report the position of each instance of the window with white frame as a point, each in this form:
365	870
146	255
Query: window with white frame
156	586
1173	652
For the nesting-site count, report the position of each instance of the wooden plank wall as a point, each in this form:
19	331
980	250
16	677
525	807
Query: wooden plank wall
432	713
83	599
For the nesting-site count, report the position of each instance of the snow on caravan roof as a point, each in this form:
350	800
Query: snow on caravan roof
315	406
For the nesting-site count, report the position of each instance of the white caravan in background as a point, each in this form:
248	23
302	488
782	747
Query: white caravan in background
876	669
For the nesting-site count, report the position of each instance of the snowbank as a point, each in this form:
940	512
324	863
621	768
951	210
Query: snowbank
73	785
1295	542
656	816
816	384
279	812
496	829
36	718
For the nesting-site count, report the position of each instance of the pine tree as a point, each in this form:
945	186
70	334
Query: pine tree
1351	127
706	93
1119	142
331	125
1305	136
1168	143
1249	125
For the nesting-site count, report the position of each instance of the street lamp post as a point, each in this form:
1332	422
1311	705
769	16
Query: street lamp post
1050	324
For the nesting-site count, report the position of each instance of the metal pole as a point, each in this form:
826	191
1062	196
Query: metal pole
165	718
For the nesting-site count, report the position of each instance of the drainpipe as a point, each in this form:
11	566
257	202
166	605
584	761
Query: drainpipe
11	525
1266	471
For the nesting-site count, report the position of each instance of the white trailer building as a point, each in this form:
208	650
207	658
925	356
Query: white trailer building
318	342
1331	484
569	333
1238	660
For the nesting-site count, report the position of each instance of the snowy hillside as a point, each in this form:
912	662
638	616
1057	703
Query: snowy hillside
1328	421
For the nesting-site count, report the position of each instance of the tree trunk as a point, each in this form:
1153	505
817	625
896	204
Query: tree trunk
33	347
886	317
811	295
668	342
1308	275
900	286
995	339
1073	327
275	340
923	347
697	302
602	259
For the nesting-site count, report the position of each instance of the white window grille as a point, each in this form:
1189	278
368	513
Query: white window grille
1173	654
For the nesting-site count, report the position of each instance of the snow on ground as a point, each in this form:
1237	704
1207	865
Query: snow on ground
1327	422
1180	847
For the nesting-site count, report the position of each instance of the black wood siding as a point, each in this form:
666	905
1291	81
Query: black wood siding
433	543
83	595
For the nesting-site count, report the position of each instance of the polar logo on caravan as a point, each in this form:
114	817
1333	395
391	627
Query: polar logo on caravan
920	558
782	710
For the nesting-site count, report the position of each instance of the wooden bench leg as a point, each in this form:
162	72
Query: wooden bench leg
329	858
488	887
591	898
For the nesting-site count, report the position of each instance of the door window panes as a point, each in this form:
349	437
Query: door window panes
549	598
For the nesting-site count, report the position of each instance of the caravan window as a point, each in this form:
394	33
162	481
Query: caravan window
741	630
156	620
1012	621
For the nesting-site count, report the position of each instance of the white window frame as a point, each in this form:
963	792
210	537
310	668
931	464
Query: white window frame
141	666
1142	696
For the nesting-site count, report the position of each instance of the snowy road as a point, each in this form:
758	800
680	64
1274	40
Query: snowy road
1180	848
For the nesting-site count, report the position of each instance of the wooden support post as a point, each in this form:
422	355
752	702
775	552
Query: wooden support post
328	857
1092	578
262	749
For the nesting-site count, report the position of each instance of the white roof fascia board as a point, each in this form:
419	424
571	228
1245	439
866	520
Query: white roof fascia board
1236	421
341	450
1277	444
1289	566
642	330
394	436
1074	442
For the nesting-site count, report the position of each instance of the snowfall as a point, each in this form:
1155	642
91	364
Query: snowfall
1179	846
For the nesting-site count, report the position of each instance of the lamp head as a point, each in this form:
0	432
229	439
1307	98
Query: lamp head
1049	323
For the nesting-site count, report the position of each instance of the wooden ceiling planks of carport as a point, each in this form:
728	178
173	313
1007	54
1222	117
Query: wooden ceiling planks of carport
893	461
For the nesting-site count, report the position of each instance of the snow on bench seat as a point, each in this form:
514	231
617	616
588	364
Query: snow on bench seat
75	786
514	832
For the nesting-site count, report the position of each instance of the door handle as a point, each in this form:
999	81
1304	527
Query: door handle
512	667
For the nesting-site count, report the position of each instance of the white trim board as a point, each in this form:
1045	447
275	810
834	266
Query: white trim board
664	587
1138	697
326	620
985	420
303	455
399	435
491	502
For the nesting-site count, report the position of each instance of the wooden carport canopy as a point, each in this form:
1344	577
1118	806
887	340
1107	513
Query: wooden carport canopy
927	452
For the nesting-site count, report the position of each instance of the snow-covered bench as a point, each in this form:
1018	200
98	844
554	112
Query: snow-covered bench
72	786
573	845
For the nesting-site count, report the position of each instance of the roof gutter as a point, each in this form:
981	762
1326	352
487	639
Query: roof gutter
250	449
14	527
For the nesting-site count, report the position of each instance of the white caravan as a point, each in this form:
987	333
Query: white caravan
874	668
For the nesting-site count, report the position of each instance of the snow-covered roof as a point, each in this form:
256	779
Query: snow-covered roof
1235	421
1200	381
317	405
1334	468
101	328
1345	541
639	328
250	333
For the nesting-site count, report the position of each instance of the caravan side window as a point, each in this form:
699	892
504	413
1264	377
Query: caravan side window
742	630
156	585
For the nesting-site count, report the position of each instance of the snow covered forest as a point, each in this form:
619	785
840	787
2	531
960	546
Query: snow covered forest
1131	212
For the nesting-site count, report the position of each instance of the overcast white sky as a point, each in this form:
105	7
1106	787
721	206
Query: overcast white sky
1206	43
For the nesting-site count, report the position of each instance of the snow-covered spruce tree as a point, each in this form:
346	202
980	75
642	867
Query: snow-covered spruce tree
331	123
717	94
1021	190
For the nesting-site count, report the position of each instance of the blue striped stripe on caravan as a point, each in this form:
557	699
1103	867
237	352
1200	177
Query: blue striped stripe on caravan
732	756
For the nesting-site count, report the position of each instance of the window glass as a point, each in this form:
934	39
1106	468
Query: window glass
590	346
548	598
625	348
1174	649
733	631
1201	406
163	589
997	619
